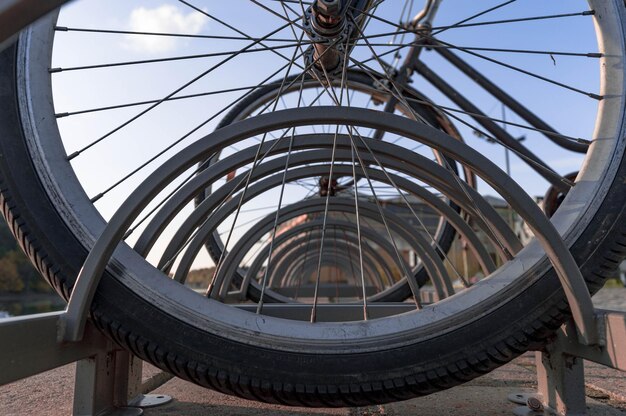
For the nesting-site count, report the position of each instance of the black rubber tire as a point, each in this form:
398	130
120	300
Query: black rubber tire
523	319
397	293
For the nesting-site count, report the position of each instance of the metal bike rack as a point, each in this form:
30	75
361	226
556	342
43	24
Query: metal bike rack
108	379
560	368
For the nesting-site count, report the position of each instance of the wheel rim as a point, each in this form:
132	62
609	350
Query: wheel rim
272	332
86	222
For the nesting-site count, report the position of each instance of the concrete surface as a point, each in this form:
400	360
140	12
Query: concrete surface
486	395
50	394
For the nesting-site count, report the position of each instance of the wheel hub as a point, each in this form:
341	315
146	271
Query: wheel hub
326	24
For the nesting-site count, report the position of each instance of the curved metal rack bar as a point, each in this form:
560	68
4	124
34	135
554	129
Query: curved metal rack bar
556	250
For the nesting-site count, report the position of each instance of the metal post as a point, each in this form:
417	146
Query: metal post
560	386
561	383
560	370
107	378
110	384
101	385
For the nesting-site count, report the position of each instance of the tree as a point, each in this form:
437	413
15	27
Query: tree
33	281
9	278
7	241
17	273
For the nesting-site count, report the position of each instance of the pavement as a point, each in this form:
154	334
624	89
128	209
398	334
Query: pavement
51	393
486	395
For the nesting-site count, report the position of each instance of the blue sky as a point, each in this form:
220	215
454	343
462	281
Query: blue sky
568	112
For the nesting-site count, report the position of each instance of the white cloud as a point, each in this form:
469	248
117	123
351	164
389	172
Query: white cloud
165	19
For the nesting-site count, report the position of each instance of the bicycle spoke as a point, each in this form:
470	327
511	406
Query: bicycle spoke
182	138
557	180
223	23
183	35
181	97
523	71
474	16
476	48
171	59
519	20
328	191
411	209
280	202
410	280
168	96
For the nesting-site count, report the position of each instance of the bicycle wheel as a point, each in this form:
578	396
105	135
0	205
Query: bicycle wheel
316	364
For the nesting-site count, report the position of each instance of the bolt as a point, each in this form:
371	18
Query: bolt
330	8
534	404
